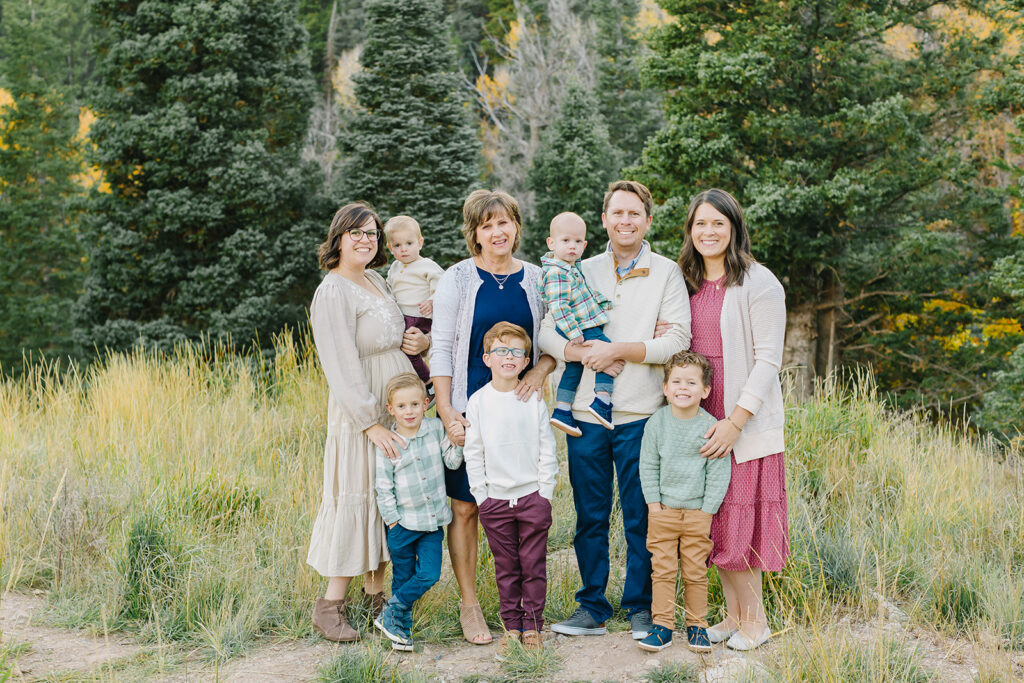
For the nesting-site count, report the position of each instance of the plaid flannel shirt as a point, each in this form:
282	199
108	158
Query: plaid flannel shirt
574	305
411	490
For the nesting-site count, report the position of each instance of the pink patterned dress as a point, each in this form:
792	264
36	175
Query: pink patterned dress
751	529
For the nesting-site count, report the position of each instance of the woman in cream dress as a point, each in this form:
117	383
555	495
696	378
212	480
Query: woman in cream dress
361	342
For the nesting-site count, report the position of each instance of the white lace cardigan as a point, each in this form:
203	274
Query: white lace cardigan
454	304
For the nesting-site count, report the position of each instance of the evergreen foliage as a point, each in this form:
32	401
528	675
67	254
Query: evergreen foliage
208	226
411	147
571	170
629	108
346	33
40	266
841	146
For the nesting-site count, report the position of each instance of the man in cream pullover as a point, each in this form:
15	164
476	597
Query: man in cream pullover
644	288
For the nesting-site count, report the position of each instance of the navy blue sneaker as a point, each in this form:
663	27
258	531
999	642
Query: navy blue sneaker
563	419
390	623
603	412
697	639
657	639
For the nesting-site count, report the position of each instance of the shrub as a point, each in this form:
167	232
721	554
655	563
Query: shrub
148	569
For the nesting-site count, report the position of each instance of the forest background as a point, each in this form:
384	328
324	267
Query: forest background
167	167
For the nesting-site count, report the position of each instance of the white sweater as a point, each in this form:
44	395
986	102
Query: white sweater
510	449
753	327
653	290
413	283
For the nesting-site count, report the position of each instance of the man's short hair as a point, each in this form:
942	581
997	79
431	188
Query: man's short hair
639	189
405	380
502	331
685	358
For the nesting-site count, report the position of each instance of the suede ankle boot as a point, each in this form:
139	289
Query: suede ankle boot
330	620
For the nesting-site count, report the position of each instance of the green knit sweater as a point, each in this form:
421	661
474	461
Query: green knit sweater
672	470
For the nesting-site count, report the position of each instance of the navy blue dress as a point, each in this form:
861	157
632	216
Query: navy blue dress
493	305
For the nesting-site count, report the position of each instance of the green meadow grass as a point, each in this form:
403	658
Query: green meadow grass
173	497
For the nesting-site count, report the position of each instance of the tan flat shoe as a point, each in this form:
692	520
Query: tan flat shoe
532	640
474	626
331	621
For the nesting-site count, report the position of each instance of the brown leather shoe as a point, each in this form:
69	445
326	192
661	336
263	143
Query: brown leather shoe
532	640
509	643
330	621
375	603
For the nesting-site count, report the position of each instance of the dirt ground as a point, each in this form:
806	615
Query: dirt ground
49	653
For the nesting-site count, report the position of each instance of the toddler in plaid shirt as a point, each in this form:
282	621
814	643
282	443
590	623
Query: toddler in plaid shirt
412	501
579	314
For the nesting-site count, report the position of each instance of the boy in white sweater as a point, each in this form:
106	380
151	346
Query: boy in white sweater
511	465
413	279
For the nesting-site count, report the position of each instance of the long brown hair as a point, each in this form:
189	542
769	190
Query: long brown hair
350	216
737	256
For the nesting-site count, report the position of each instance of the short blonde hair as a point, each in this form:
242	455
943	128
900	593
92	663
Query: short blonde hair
639	189
396	223
481	205
502	331
405	380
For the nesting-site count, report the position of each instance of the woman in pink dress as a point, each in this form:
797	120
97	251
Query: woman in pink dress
739	323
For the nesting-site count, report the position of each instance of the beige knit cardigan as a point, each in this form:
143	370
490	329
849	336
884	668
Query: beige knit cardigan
753	324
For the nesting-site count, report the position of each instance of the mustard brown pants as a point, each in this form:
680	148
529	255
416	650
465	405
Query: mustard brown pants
679	538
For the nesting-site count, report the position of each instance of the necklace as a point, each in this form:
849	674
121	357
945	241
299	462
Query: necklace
501	282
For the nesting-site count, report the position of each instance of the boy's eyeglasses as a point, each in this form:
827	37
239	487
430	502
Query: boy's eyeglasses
357	234
505	351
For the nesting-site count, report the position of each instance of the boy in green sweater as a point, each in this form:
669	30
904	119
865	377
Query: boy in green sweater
683	490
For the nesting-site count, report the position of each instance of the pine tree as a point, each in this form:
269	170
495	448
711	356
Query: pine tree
412	148
206	226
572	168
40	265
629	108
836	142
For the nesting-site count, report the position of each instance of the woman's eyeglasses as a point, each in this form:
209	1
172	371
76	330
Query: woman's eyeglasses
357	234
505	351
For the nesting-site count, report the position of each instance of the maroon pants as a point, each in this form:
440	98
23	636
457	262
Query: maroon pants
518	536
418	364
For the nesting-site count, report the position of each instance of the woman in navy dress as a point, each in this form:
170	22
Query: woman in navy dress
490	286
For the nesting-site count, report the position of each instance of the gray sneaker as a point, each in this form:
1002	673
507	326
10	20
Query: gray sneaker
641	623
582	624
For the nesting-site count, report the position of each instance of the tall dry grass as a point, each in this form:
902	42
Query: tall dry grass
173	496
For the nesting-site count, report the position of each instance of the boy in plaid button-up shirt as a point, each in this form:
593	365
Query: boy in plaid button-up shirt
412	501
579	314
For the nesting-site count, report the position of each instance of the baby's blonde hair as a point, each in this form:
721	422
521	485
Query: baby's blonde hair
396	223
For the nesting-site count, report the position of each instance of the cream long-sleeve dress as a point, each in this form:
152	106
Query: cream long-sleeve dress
358	338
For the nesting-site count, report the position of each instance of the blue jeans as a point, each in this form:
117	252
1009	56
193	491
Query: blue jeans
594	458
570	381
415	562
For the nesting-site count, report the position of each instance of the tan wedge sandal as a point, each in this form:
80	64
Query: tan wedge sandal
474	626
